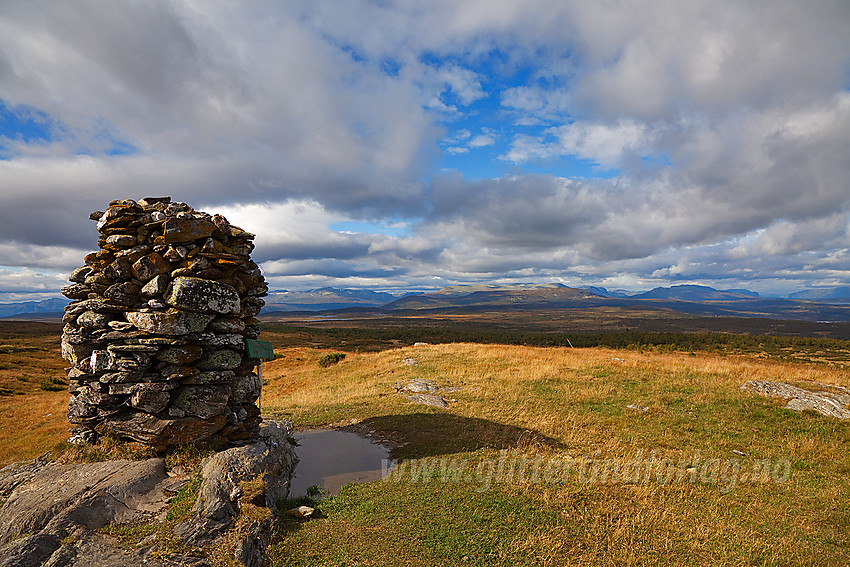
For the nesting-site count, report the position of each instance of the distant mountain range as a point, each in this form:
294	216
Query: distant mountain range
837	294
601	291
325	298
491	295
33	307
695	293
546	295
687	300
817	304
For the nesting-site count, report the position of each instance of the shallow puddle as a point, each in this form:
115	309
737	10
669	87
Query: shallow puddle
331	459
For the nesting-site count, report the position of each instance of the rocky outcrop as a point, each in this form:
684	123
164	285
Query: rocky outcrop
825	399
55	506
157	325
241	490
53	511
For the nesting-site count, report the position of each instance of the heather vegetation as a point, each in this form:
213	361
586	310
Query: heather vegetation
364	338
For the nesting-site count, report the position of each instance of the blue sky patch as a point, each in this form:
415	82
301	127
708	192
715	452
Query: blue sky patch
28	126
25	124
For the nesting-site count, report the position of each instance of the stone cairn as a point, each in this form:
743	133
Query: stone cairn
157	325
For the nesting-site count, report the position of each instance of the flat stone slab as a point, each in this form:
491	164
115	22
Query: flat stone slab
417	386
428	400
172	322
828	400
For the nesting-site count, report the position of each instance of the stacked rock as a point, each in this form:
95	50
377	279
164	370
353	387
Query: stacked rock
157	325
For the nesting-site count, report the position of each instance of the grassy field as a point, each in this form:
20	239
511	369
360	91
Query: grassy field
33	390
723	477
539	460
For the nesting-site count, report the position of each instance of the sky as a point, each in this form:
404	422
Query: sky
415	144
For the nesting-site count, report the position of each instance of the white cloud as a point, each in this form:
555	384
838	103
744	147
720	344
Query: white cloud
462	141
535	104
599	143
27	284
486	138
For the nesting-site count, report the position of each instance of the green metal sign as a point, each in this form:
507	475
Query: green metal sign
259	349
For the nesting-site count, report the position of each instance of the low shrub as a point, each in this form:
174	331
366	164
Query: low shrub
330	359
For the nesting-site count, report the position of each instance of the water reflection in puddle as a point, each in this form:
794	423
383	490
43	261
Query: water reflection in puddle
331	459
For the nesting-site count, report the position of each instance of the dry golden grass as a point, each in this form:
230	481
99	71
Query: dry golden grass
32	425
505	382
32	420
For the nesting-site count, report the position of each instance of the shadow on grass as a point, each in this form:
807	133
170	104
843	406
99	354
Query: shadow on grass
430	434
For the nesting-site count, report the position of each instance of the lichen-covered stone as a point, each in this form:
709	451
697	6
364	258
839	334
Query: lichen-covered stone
150	266
202	401
222	340
156	287
246	389
121	377
76	291
179	373
124	293
206	296
120	241
224	359
74	353
94	320
187	230
160	433
180	354
79	275
172	322
101	361
227	325
212	377
152	398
